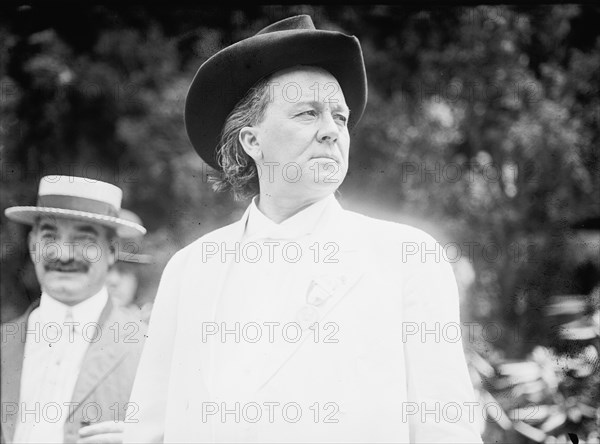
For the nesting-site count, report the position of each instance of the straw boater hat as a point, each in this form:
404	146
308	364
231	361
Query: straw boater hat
224	79
78	198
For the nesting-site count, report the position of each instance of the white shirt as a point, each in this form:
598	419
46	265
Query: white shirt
300	224
57	339
256	293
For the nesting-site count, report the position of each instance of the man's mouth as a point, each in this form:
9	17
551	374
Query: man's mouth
72	267
326	157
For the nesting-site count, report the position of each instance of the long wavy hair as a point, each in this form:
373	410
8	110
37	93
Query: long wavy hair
240	174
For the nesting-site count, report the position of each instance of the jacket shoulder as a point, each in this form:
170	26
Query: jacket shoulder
390	231
219	235
6	326
9	327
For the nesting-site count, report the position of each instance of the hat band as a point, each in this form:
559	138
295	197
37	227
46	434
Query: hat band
77	204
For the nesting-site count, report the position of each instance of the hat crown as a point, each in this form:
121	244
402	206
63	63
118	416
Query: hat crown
303	22
81	187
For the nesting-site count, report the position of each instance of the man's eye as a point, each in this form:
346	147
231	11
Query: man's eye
48	236
86	238
341	118
311	112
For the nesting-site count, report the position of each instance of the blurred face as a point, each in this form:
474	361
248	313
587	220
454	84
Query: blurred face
71	258
122	284
301	145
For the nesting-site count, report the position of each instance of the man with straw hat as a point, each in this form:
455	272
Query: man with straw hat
123	280
69	362
301	322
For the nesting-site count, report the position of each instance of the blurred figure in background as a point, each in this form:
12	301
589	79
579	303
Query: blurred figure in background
123	280
69	361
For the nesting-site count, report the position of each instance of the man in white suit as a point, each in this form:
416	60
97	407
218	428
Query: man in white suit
301	322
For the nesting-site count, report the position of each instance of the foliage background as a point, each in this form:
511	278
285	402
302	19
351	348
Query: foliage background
482	127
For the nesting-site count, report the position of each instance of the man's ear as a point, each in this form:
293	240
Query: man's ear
113	256
248	137
112	251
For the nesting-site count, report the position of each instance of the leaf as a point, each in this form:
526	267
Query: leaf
530	431
554	422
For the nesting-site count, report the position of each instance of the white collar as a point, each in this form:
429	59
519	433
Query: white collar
300	224
85	312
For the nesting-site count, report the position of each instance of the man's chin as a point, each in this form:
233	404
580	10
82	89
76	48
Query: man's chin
327	180
324	171
67	289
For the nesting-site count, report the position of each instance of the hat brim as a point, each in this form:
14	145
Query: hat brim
224	79
29	214
135	258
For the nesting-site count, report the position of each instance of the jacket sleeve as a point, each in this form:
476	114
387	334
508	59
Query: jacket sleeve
148	403
441	403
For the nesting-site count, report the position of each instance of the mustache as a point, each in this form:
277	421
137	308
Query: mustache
67	267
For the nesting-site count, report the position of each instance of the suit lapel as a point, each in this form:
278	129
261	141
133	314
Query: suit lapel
101	358
202	292
13	349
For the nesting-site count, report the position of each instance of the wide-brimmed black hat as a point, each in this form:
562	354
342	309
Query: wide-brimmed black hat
224	79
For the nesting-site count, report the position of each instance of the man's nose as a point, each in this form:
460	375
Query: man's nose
328	131
67	251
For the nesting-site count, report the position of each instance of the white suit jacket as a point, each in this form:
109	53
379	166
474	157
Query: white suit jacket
382	380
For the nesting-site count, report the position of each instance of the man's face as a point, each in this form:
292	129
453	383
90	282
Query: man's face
71	257
303	138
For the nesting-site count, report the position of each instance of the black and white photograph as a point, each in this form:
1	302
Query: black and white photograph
300	223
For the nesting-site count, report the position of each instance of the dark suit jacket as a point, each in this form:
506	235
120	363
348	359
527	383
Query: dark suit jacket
104	383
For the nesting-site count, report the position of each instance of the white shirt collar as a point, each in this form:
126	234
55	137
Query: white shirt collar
88	311
300	224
